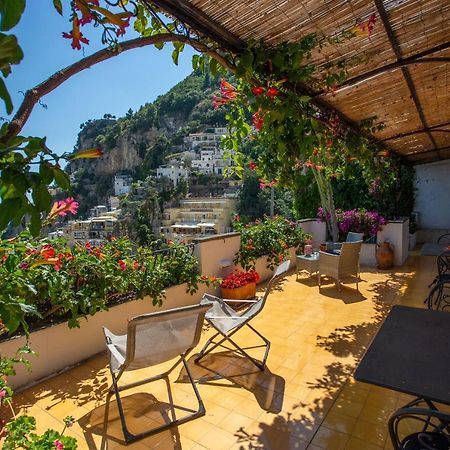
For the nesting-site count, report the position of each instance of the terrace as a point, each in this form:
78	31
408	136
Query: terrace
306	397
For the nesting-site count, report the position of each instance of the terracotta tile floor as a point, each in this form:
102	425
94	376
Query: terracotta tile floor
306	398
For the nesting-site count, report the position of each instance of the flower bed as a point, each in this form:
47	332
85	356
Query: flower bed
356	220
271	237
50	282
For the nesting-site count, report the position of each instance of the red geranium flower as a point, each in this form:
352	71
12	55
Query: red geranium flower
252	165
122	265
238	279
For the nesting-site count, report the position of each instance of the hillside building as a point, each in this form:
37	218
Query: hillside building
122	184
197	217
175	173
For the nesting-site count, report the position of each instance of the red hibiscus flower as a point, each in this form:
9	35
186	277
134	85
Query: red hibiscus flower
272	92
257	90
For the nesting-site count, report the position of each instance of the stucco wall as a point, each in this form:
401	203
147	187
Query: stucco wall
433	195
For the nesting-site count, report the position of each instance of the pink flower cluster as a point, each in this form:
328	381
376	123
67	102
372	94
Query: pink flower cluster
62	207
356	220
239	279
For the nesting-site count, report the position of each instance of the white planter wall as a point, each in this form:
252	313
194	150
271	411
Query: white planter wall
59	347
316	228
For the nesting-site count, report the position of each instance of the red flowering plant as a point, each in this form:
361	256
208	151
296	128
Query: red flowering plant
45	282
239	278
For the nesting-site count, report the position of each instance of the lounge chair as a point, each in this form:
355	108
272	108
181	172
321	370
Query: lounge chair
341	266
227	321
153	339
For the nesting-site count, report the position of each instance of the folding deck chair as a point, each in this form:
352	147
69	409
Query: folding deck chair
152	339
227	321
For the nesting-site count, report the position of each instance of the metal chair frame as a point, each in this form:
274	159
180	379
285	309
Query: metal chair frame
437	298
131	341
424	416
282	268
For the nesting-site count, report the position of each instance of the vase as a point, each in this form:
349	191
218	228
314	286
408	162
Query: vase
384	254
308	249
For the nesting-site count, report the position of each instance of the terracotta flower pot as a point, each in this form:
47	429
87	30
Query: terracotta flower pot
241	293
385	255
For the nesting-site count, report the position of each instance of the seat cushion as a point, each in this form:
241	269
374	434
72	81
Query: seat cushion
426	441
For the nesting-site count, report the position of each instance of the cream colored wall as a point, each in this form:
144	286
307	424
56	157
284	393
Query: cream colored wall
59	347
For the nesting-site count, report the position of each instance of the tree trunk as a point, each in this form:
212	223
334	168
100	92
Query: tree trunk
326	199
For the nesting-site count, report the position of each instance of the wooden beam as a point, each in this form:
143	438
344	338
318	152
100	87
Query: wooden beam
199	21
408	155
406	74
205	25
422	130
418	58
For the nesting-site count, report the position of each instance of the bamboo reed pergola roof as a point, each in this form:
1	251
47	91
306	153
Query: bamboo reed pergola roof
405	83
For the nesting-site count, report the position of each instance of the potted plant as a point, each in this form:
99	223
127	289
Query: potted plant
240	285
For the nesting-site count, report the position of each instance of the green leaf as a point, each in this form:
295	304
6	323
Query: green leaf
61	178
7	209
35	223
175	56
213	67
11	12
4	94
58	6
159	45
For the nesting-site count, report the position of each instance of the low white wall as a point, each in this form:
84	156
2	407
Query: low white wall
58	347
367	255
432	196
216	253
397	233
315	227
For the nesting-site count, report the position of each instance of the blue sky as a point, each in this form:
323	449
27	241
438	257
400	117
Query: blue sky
126	81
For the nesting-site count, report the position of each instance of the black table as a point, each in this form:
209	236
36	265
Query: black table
411	354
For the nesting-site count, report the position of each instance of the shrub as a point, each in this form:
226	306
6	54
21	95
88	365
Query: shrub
271	237
356	220
61	283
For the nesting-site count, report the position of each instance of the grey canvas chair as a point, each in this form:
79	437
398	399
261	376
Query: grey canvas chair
341	266
351	237
227	321
153	339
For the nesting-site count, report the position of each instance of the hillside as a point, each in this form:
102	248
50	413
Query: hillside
139	142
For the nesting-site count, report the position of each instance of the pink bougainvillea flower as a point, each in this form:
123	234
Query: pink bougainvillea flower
258	120
122	264
58	444
252	165
257	90
272	92
3	393
88	153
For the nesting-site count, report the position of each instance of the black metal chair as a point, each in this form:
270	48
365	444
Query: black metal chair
438	298
432	429
444	240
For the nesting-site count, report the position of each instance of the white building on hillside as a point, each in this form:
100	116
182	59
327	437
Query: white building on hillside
122	184
175	173
211	138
